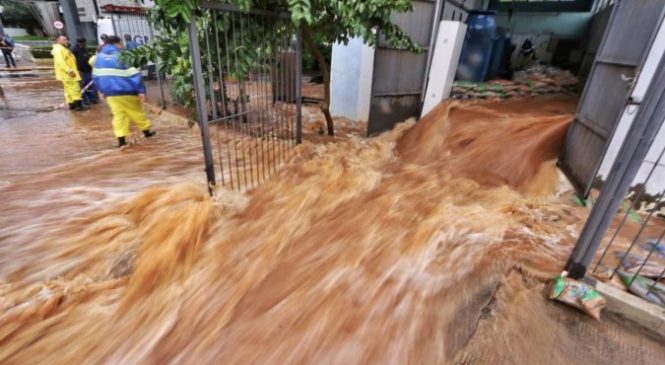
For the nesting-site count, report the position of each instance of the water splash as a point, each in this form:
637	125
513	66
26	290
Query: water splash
379	250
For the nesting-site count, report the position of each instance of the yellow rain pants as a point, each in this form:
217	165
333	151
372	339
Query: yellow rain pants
125	108
72	91
64	64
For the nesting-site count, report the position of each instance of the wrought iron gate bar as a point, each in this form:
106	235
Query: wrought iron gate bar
247	71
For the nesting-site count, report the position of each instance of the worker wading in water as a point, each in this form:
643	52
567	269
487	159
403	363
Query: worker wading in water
123	89
64	63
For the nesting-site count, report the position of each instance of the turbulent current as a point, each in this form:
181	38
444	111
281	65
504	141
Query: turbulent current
428	244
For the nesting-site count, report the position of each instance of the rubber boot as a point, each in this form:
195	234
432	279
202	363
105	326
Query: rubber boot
148	133
78	105
121	142
72	106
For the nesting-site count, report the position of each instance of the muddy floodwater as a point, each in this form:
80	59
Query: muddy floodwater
430	244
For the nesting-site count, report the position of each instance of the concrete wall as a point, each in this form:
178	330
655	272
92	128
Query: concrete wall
657	182
473	4
90	25
49	13
352	66
541	27
351	80
136	3
573	25
15	32
87	8
449	41
74	27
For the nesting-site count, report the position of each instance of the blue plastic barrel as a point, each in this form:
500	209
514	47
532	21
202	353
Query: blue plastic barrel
476	55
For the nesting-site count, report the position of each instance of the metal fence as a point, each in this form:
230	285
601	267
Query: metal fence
247	79
131	24
631	244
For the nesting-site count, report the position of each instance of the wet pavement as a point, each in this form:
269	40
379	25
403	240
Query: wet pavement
36	131
56	165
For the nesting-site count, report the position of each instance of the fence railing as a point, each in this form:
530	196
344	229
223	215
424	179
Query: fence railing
634	248
247	77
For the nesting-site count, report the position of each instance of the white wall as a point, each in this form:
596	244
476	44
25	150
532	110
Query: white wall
447	49
656	183
104	26
351	80
540	44
87	8
541	27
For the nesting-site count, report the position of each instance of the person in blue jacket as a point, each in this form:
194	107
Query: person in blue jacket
129	43
123	89
7	46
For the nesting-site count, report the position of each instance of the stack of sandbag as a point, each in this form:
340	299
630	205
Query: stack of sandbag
537	80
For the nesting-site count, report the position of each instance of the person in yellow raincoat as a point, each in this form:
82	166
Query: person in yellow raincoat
123	89
66	71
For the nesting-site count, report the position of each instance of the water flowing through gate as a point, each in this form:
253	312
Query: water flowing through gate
247	78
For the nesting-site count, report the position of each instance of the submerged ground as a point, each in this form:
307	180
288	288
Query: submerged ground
429	244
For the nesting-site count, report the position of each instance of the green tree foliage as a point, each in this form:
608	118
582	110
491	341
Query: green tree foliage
323	22
19	14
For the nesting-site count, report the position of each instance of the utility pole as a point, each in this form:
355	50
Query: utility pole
71	17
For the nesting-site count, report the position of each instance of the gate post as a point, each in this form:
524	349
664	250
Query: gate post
633	151
299	86
201	109
157	62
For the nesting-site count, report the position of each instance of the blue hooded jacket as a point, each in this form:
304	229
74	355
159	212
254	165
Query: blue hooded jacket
112	78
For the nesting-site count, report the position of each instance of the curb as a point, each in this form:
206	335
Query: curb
638	310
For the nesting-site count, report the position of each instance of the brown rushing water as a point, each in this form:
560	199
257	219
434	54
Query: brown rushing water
382	250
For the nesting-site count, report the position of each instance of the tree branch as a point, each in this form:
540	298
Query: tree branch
325	105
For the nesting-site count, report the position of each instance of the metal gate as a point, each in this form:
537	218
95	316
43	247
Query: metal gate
644	248
247	79
399	76
628	36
